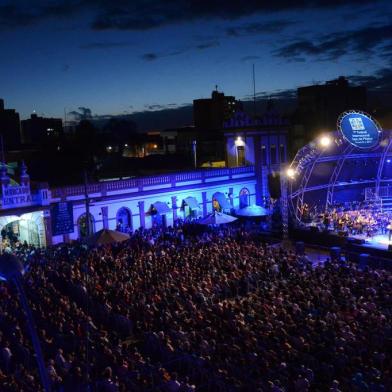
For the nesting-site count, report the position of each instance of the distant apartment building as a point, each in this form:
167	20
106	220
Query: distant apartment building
211	113
37	130
319	107
9	126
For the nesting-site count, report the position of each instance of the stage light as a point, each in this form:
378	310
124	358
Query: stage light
290	172
325	141
388	161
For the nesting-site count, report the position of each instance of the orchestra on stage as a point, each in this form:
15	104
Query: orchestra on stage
352	219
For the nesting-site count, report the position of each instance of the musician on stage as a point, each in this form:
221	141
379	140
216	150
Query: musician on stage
389	227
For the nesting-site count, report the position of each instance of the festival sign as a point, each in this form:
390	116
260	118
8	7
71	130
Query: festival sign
359	129
62	218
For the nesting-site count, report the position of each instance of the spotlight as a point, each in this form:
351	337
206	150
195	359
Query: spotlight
290	172
325	141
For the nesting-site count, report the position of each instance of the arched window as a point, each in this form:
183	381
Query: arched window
244	197
124	220
83	226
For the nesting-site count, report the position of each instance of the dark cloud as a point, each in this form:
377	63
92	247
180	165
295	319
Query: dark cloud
381	81
281	94
359	42
258	28
250	58
207	45
15	13
152	56
82	113
104	45
147	14
155	107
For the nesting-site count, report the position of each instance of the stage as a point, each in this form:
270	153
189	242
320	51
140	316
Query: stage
352	246
379	241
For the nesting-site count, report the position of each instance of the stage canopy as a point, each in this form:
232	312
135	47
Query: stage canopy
333	171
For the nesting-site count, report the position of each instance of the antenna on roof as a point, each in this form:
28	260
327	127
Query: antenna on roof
254	90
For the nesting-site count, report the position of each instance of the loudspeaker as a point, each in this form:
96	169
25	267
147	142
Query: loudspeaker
274	185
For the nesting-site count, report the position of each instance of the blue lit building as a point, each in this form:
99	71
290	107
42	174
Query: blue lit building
254	148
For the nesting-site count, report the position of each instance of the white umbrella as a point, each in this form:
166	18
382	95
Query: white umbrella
216	218
252	210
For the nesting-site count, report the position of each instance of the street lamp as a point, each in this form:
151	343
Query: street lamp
11	269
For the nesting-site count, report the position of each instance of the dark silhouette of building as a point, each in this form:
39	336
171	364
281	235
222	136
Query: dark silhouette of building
319	107
38	129
9	126
211	113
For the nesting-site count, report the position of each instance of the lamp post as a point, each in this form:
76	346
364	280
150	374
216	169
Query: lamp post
11	269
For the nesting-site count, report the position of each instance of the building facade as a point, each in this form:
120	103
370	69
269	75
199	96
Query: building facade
9	127
30	212
260	143
38	129
40	215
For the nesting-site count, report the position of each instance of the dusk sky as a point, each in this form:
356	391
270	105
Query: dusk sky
125	56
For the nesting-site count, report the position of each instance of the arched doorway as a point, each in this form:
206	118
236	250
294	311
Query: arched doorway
82	226
244	197
21	231
124	220
27	228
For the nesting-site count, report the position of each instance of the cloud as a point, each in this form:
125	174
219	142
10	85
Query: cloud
82	113
104	45
143	14
356	42
15	13
152	56
250	58
381	81
258	28
207	45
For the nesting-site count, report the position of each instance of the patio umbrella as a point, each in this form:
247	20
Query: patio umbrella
251	211
216	218
105	236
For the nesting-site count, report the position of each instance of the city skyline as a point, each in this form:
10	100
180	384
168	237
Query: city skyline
135	57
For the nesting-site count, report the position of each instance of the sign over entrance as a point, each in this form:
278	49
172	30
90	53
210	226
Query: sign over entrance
62	218
359	129
16	196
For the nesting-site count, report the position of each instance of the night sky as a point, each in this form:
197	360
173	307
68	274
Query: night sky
125	56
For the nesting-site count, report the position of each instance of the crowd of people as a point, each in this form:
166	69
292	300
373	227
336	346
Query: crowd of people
181	310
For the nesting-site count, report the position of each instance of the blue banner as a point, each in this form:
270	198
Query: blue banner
62	218
359	129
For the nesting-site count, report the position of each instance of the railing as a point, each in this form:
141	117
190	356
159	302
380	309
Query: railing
140	183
